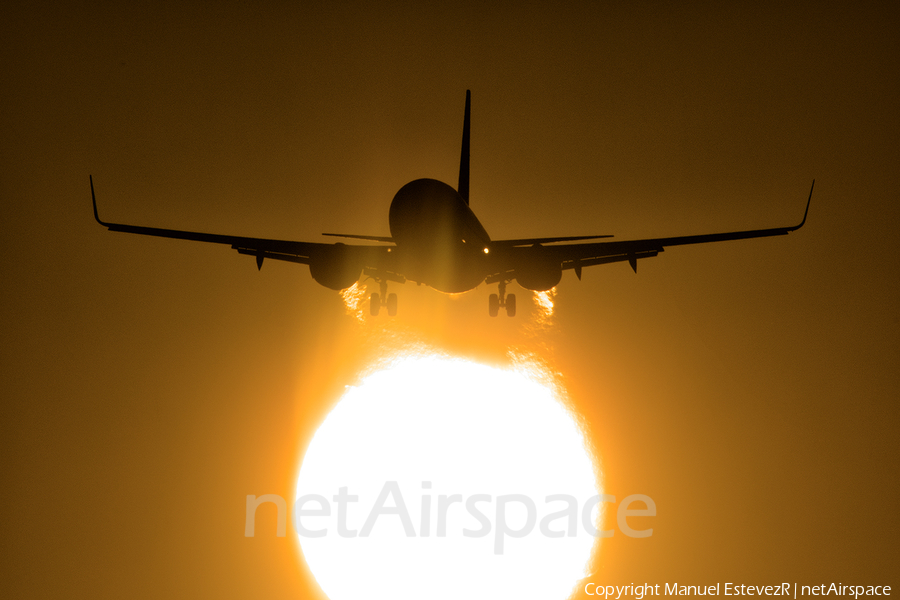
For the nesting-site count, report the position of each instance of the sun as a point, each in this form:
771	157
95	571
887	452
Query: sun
444	478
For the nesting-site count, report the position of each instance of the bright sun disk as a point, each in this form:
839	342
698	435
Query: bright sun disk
418	484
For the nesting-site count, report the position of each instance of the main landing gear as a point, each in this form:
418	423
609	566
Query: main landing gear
376	301
496	302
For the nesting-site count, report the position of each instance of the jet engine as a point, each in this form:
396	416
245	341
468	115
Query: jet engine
334	269
537	271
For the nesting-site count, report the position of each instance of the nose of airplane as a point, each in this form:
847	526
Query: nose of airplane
424	208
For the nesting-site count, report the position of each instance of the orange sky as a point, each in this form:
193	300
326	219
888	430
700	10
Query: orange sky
149	385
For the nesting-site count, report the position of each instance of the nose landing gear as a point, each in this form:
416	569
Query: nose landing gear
501	300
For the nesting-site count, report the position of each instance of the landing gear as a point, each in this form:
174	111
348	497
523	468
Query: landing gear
501	300
377	300
392	305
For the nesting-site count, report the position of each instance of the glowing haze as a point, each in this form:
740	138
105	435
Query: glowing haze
444	441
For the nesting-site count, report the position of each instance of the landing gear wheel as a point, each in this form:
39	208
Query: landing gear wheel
494	305
392	305
511	305
375	304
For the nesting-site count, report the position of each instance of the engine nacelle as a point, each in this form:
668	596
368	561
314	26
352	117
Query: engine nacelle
335	269
538	272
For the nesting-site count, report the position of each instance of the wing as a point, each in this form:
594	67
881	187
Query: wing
322	258
578	256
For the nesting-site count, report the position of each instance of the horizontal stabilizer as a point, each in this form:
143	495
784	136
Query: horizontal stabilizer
371	238
549	240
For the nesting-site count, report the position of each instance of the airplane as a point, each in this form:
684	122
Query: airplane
437	240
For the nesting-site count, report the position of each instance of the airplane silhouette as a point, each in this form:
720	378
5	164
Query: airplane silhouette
438	241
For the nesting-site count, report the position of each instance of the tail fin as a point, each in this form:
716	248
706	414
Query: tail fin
463	188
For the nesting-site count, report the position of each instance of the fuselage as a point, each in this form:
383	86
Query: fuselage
440	241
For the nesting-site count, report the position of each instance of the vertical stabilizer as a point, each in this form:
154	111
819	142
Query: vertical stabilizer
463	188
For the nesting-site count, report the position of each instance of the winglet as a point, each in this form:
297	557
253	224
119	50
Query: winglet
806	212
94	200
463	187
